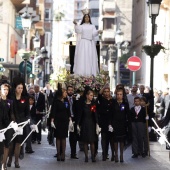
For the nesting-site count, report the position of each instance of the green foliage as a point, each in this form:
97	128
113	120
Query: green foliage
124	58
59	16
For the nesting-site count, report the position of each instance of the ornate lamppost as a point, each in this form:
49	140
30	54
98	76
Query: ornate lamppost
26	25
44	53
112	59
118	41
154	7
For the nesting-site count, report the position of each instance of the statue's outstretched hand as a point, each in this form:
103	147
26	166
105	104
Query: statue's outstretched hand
100	31
74	22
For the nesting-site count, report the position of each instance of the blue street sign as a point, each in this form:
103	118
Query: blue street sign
1	59
18	23
22	67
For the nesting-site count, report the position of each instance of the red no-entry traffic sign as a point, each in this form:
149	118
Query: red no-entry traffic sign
134	63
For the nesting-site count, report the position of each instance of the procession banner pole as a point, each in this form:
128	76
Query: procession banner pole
146	107
30	133
159	131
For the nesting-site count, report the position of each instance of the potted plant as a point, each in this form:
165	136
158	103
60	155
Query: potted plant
153	50
25	54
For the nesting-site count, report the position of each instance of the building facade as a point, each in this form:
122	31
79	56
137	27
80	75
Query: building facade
115	15
142	36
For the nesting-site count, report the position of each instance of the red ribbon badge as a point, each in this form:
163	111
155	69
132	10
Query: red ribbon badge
22	100
93	108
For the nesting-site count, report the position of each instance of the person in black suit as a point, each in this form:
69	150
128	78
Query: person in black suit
105	109
60	116
6	116
72	135
50	95
138	118
28	147
87	125
40	108
21	113
119	122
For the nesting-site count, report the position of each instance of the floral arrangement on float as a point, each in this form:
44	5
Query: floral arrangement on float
153	50
79	82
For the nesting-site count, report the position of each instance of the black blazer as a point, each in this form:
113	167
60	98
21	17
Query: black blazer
33	114
141	115
40	104
50	97
21	109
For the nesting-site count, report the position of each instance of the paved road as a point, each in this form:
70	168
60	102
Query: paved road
43	159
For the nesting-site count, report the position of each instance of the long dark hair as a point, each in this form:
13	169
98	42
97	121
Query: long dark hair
83	20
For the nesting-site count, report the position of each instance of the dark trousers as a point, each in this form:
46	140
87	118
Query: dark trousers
73	142
145	139
105	140
37	136
137	137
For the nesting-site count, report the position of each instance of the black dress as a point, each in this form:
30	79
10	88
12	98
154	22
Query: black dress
120	120
87	121
60	112
22	114
6	116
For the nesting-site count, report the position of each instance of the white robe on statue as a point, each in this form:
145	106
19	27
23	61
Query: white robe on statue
85	59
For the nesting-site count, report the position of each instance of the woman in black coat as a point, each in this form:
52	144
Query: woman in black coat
21	113
87	122
119	122
60	115
6	116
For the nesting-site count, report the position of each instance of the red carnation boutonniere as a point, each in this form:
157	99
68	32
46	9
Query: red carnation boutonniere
22	100
93	108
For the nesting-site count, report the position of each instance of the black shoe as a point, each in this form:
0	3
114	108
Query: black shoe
93	158
33	141
113	158
9	164
58	157
135	156
143	155
86	159
39	142
121	159
104	158
74	157
116	158
17	165
107	156
31	151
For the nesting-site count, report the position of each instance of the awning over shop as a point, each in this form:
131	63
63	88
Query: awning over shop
11	66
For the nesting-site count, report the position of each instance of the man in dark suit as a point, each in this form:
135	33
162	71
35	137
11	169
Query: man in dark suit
149	99
73	135
49	94
165	105
40	108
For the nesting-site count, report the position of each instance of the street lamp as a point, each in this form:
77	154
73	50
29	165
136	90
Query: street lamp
44	53
118	40
36	43
112	58
154	7
26	24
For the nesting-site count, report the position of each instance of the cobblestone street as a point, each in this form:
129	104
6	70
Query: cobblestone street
43	159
